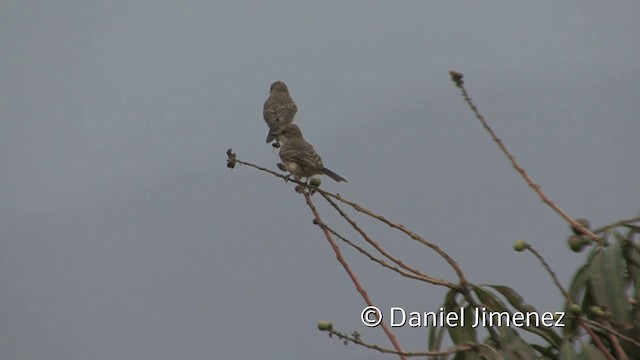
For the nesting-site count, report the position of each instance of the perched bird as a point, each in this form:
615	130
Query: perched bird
298	156
279	109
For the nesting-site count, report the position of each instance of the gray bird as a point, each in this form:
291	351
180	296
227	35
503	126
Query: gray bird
298	156
279	109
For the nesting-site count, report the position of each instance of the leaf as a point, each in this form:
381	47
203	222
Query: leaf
590	352
436	334
546	352
579	283
490	301
577	288
567	352
517	301
459	334
608	283
487	352
511	295
514	347
633	262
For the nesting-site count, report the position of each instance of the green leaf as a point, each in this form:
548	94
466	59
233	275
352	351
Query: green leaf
511	295
590	352
488	300
577	287
486	352
633	262
436	334
517	301
514	347
459	334
579	283
608	283
567	352
546	352
619	237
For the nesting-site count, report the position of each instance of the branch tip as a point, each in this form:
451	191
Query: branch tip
231	159
456	77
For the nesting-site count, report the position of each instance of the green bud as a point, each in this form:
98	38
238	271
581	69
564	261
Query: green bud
520	245
576	243
315	182
575	309
324	325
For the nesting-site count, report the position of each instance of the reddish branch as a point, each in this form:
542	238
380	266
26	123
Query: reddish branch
353	277
457	79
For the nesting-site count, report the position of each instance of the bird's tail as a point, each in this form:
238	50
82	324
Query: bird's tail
270	137
333	175
274	131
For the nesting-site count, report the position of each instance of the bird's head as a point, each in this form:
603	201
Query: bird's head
287	132
278	86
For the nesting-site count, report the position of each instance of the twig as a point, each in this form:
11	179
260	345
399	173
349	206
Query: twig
614	342
358	341
419	276
353	277
380	249
616	224
403	229
553	275
596	339
457	79
363	210
611	331
564	292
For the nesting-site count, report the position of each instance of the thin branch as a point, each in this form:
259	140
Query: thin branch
467	295
358	341
596	339
611	331
553	275
403	229
380	249
614	341
232	161
616	224
419	276
353	277
564	292
457	79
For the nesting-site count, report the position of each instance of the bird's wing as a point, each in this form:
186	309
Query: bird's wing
301	153
279	114
287	112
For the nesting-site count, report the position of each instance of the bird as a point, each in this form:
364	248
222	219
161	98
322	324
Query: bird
298	156
279	109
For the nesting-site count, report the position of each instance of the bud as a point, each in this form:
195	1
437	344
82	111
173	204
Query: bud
325	326
520	245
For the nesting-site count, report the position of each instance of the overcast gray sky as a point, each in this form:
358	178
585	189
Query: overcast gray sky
124	235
